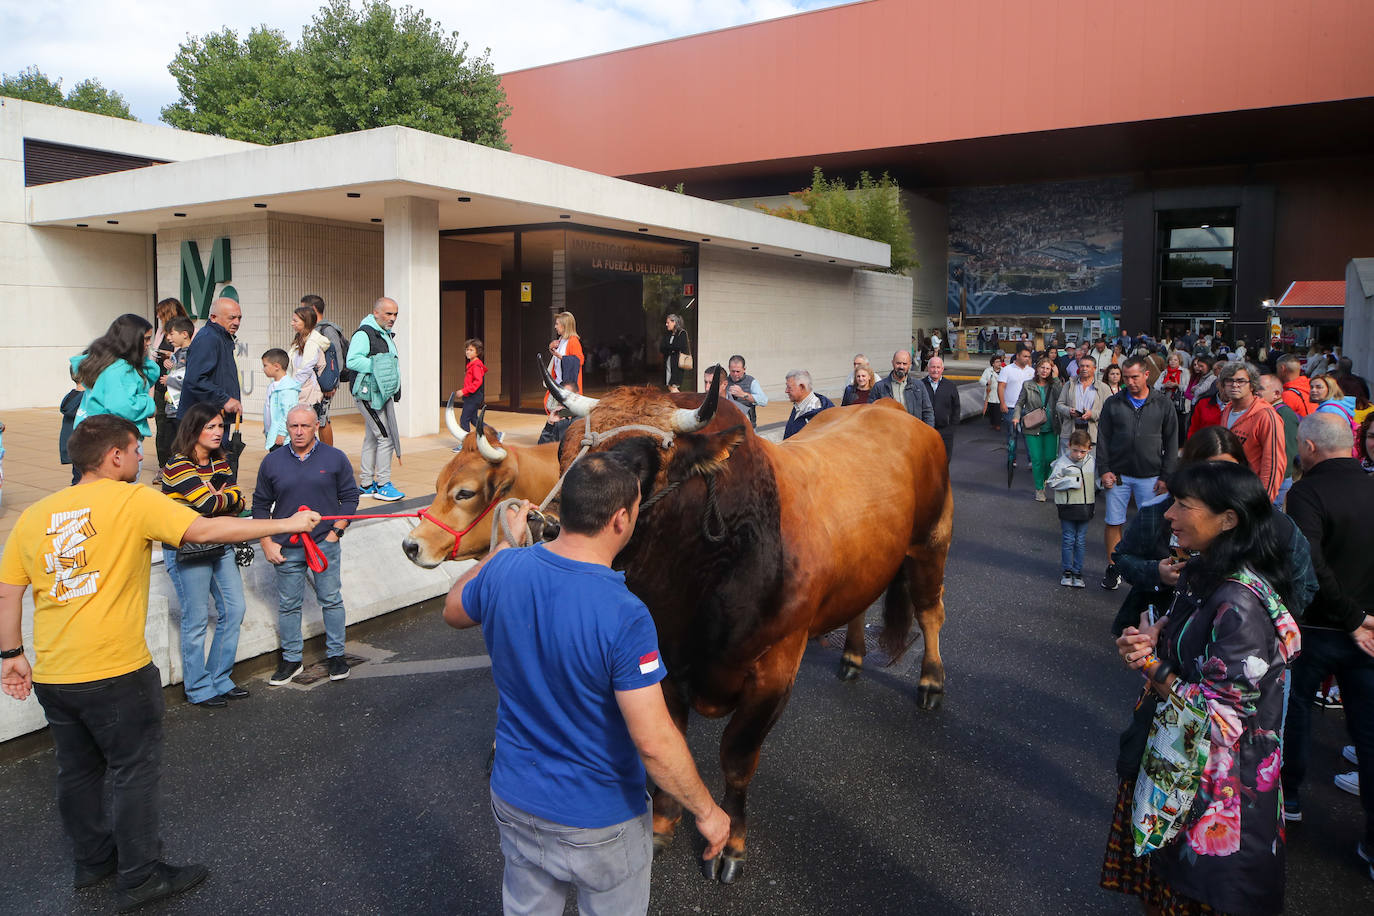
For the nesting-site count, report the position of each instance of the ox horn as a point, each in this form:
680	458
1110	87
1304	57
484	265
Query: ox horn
493	454
579	405
686	420
451	420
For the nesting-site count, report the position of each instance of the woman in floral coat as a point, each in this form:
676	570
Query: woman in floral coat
1222	650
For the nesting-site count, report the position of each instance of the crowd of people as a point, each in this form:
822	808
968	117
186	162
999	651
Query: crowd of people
1252	488
1247	566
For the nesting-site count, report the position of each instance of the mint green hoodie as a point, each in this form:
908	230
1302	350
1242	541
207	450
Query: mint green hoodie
282	395
121	390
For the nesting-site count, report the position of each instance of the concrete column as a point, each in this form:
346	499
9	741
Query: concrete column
411	276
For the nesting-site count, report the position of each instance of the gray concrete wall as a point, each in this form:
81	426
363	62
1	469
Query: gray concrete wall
1357	341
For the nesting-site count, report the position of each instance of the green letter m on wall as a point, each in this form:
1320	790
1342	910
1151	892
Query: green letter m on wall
198	281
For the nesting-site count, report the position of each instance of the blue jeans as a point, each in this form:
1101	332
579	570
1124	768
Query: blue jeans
609	866
111	726
195	583
291	576
1283	493
1331	652
1073	542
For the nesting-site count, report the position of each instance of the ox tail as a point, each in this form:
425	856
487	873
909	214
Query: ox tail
898	613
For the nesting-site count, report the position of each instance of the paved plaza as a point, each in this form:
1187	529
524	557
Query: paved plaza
369	795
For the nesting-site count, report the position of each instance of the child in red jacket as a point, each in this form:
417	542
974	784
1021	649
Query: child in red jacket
474	385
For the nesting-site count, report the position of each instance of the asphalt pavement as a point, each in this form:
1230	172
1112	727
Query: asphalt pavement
369	795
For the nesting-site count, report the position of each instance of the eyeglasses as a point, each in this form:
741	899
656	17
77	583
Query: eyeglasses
1237	381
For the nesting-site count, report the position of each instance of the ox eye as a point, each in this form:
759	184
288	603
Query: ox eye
464	494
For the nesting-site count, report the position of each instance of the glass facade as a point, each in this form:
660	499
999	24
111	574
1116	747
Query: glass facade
618	287
1196	265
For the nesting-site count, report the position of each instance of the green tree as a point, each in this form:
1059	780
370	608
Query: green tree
32	85
244	90
352	70
872	209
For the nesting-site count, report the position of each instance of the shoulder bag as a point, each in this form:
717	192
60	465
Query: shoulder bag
1176	754
189	553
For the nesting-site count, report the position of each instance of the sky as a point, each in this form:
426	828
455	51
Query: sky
126	45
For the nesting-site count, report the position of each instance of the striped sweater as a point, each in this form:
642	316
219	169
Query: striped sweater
189	483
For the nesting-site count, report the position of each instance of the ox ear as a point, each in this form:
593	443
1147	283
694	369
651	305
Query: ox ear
704	455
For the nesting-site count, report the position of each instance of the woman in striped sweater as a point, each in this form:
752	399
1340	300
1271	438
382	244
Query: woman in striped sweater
198	474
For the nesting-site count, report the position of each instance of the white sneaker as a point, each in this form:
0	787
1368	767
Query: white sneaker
1348	782
1066	580
1040	496
1348	752
1078	582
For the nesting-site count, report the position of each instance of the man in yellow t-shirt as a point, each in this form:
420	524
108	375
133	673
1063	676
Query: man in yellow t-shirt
87	552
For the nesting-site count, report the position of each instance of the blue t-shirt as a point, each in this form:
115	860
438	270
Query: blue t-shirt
563	636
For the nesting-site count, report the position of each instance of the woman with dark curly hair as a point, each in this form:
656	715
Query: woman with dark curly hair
1364	444
1221	651
118	373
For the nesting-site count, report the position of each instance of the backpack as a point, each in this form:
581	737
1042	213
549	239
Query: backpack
384	375
335	369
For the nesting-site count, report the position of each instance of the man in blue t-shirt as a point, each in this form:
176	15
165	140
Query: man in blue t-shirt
575	659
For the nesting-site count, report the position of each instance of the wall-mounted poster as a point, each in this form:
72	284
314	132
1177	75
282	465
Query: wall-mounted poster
1041	249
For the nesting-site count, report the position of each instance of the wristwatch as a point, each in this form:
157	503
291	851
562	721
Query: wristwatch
338	532
12	653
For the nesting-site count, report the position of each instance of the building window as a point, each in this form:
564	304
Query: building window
1196	263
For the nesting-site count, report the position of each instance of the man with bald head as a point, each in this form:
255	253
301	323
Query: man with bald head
377	387
900	386
212	376
1332	505
307	473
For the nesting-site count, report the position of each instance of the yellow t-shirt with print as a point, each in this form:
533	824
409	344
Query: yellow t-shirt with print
87	552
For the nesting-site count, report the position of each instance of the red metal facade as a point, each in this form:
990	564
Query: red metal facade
904	73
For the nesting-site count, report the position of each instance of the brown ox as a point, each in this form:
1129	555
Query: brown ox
745	549
482	472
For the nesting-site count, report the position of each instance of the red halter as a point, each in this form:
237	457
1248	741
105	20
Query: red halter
315	558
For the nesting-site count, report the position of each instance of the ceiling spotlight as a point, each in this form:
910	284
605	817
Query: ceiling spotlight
706	240
354	194
642	229
832	260
261	206
565	216
796	255
753	248
112	222
376	219
464	200
178	214
83	225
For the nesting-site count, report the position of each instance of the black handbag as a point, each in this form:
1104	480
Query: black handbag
199	553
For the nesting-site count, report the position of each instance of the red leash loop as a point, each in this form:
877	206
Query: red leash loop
317	562
314	557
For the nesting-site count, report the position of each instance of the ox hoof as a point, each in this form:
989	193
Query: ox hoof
710	868
661	842
928	696
730	869
848	671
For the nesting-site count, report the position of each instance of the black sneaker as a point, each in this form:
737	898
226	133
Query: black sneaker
1292	811
165	881
338	668
1111	580
285	672
91	875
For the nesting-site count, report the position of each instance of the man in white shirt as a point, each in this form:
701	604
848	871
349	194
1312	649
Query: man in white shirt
1009	381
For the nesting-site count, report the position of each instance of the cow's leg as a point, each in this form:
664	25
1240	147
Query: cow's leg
761	703
927	570
668	810
852	661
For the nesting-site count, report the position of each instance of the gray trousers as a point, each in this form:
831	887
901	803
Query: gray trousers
378	449
609	866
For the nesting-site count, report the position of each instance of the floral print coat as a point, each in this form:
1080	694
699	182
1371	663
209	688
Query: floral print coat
1230	649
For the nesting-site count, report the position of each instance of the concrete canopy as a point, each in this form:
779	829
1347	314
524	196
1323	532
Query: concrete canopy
315	177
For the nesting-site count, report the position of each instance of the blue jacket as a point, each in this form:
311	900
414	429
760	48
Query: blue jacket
212	376
797	422
121	390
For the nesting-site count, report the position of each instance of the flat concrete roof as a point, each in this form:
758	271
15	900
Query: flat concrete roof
475	186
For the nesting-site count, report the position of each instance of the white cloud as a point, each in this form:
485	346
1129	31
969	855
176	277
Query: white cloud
127	45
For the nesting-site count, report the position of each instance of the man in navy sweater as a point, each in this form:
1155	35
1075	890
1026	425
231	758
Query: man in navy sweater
313	474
